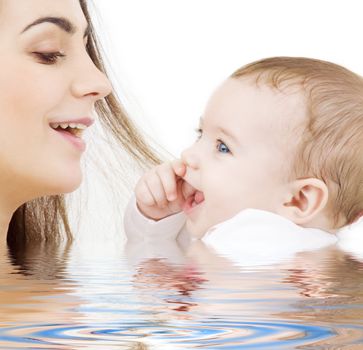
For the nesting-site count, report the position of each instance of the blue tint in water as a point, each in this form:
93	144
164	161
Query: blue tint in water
106	301
208	334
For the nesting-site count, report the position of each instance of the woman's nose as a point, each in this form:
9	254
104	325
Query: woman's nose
91	82
190	157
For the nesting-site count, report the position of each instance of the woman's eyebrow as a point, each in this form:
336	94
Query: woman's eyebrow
61	22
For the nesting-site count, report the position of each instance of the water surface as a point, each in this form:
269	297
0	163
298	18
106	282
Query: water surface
111	295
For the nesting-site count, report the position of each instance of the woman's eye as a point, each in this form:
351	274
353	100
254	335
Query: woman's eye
49	57
222	147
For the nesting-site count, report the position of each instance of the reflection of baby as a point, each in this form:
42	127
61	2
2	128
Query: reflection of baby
282	135
208	284
160	274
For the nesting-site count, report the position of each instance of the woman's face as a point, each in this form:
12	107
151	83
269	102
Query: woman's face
46	78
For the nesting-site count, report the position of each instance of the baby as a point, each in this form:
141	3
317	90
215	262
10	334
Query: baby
282	135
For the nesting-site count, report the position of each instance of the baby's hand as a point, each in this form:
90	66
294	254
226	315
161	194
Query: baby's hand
159	192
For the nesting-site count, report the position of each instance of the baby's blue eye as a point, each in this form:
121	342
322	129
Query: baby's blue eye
222	147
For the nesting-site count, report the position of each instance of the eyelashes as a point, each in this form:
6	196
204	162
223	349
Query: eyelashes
199	133
221	146
49	57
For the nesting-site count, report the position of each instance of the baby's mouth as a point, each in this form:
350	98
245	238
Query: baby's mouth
193	199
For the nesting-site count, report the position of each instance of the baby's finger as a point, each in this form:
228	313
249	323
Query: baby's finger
187	189
168	180
155	186
179	167
180	194
143	195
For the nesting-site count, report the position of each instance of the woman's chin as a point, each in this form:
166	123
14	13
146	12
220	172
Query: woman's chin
63	185
71	186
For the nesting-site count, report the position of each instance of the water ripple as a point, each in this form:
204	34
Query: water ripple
210	334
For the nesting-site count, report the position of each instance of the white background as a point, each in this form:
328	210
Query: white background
167	56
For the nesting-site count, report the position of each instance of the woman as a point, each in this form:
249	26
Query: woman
52	77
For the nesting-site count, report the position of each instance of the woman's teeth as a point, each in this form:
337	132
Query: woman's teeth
75	129
68	125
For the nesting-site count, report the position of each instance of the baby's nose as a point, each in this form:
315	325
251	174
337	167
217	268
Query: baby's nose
190	158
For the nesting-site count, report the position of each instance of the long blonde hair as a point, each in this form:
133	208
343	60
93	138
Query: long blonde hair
45	218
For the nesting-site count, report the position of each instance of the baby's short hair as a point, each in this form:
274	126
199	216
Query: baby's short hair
331	146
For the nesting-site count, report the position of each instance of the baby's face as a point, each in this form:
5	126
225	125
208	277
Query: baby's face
244	154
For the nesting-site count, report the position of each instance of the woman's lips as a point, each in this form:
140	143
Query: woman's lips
74	140
193	201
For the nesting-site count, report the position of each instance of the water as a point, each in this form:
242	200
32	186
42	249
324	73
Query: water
108	295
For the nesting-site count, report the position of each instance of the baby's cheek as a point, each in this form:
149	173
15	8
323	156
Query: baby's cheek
230	204
218	210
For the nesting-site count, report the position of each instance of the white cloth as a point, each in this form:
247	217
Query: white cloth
252	237
256	237
350	239
139	228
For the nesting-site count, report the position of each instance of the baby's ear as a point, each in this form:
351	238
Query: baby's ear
305	200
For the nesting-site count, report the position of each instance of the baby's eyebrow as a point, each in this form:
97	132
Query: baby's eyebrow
228	134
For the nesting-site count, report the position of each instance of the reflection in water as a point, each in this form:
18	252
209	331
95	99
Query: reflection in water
42	261
179	280
31	289
332	286
107	295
